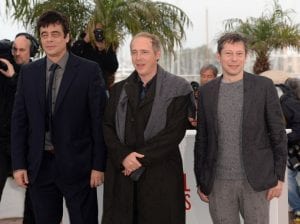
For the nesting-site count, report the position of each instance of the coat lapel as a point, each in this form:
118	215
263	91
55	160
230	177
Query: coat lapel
70	73
132	93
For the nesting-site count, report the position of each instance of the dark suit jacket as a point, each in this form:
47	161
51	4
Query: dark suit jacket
264	142
77	120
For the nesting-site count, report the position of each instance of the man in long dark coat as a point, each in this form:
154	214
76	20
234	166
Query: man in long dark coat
144	123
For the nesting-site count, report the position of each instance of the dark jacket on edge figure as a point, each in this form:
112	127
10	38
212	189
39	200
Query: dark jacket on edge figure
8	87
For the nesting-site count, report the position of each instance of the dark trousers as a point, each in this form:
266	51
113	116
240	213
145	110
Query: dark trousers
135	208
47	194
28	216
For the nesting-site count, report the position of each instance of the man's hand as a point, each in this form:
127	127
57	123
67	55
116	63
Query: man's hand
21	178
275	191
202	196
131	163
10	68
97	178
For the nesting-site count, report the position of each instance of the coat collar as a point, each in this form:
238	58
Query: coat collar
132	88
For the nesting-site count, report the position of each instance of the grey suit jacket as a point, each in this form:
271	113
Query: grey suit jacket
264	142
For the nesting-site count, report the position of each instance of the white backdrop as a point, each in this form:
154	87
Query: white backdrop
196	210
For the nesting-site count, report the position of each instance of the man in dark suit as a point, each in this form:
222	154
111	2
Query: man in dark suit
240	148
57	143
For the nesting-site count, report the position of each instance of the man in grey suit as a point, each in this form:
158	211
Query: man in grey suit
240	148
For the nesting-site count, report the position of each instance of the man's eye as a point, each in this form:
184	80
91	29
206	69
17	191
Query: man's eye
55	34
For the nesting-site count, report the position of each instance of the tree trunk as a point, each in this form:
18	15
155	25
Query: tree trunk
261	64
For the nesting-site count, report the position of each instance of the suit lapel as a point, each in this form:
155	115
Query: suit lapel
215	95
249	95
41	71
70	73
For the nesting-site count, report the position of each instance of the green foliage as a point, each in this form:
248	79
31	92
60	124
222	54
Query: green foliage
273	30
27	11
119	18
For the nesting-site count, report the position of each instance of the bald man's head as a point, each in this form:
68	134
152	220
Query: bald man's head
21	50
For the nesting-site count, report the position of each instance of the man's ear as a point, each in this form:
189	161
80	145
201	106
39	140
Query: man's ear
218	57
158	53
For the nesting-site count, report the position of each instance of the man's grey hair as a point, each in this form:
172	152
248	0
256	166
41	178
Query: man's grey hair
209	67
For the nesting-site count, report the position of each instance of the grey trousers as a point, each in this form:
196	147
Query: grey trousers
231	198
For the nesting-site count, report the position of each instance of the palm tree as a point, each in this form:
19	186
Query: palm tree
120	18
273	30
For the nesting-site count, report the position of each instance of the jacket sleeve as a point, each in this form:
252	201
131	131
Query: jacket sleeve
291	110
200	140
97	102
19	129
277	134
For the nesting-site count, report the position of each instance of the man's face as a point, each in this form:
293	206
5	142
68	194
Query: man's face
206	76
21	50
143	56
53	41
232	58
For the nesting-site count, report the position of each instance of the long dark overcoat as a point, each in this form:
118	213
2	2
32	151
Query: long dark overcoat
159	192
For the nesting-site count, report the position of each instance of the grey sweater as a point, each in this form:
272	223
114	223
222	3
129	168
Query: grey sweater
230	114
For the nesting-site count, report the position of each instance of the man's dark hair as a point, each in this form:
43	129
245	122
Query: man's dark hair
294	84
53	17
231	38
209	67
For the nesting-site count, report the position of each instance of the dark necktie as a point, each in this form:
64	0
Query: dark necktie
52	69
143	90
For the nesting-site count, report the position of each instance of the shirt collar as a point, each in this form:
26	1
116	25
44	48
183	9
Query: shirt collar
62	62
140	82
